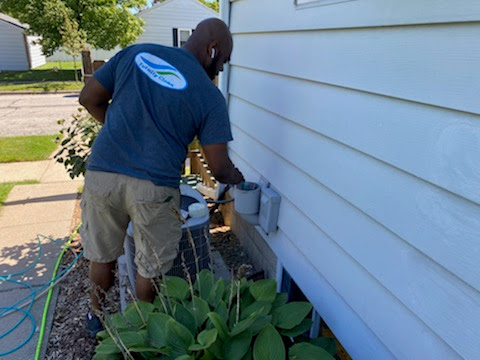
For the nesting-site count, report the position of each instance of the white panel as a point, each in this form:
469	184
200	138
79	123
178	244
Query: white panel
429	64
175	14
13	54
441	225
438	145
394	325
36	55
275	15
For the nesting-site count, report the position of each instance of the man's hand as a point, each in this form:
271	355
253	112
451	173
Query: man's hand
220	164
94	97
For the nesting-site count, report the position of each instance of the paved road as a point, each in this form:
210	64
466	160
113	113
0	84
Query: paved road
35	114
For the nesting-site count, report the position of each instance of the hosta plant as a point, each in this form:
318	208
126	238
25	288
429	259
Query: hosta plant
213	319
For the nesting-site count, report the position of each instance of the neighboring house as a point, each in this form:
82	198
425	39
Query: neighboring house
167	23
364	116
18	50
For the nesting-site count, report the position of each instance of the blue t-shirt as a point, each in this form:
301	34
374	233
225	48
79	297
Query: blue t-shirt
162	98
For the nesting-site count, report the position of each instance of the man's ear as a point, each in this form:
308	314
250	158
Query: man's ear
212	49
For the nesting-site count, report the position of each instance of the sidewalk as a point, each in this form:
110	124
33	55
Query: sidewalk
46	209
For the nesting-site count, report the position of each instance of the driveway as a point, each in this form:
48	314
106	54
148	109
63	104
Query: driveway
35	114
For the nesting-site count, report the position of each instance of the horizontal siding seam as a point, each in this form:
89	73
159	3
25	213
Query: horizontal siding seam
434	333
233	64
349	147
362	27
352	205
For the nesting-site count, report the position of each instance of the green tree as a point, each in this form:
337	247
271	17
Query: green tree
103	23
214	4
73	40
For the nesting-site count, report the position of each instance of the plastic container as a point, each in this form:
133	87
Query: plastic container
247	198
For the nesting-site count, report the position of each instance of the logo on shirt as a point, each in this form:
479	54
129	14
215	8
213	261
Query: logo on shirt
160	71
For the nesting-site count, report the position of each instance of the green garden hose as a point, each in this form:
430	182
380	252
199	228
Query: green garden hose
50	292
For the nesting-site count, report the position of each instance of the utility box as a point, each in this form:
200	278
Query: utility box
269	208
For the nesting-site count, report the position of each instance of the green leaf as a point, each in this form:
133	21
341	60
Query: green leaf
221	310
290	315
217	349
280	300
217	293
185	317
178	337
207	356
184	357
306	351
269	345
176	287
199	308
117	321
107	346
233	316
230	287
204	284
102	335
264	290
260	323
159	305
207	337
304	326
248	355
262	307
246	299
107	357
219	324
128	338
326	343
132	312
147	349
236	347
244	324
156	329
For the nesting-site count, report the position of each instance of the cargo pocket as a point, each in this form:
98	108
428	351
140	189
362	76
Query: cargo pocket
154	211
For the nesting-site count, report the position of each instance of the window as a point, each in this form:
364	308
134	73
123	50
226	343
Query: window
180	36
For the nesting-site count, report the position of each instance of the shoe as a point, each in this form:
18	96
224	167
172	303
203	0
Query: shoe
93	325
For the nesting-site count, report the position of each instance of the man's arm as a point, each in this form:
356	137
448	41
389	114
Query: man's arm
94	97
220	164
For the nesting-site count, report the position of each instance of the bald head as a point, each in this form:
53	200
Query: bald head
212	45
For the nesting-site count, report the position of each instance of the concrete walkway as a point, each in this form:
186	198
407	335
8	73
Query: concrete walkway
41	209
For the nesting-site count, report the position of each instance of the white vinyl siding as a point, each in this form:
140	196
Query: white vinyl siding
13	54
371	134
173	14
36	56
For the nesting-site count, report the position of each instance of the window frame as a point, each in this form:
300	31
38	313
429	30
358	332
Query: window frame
179	30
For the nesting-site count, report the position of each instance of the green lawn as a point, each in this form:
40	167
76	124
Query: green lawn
51	71
26	148
5	188
42	86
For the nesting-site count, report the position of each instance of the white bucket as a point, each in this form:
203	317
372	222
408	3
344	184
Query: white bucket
247	198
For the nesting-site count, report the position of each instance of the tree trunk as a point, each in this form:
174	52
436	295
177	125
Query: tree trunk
75	68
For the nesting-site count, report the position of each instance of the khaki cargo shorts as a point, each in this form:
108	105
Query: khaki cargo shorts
110	201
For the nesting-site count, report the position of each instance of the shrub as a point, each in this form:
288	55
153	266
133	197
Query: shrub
213	319
77	141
